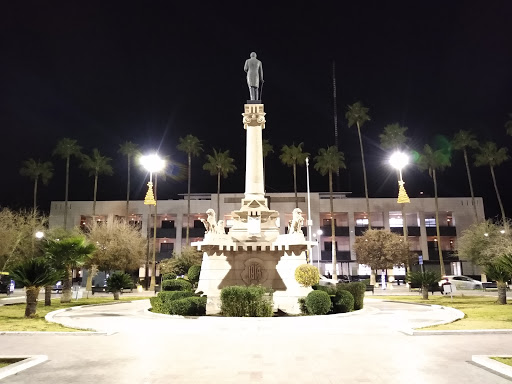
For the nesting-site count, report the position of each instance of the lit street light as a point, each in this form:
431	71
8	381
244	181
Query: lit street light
152	163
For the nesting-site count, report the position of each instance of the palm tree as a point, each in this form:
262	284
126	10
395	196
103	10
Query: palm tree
461	142
358	114
96	165
435	161
66	254
327	162
220	163
508	125
490	155
393	137
267	150
34	274
130	150
65	149
192	146
36	170
291	156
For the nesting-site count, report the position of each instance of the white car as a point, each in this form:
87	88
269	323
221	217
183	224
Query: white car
462	282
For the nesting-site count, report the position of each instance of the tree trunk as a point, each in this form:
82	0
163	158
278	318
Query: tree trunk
333	230
116	295
153	263
66	195
295	184
470	185
128	191
67	284
35	196
48	295
441	261
503	217
188	197
424	292
95	192
32	294
364	178
218	195
502	293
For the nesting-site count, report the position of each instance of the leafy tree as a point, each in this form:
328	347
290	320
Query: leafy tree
219	164
37	170
381	249
291	156
489	154
433	161
358	114
97	165
462	141
393	137
327	162
508	125
267	149
65	149
34	274
307	275
117	281
67	254
426	279
130	150
192	146
179	264
119	247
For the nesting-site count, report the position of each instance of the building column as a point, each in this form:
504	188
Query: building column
178	224
385	217
423	236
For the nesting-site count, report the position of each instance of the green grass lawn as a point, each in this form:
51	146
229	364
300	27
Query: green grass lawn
481	312
12	317
504	360
6	362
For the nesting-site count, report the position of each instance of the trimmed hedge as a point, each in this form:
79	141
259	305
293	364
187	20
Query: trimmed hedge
318	302
342	302
240	301
189	306
176	285
193	273
169	276
161	303
302	306
357	289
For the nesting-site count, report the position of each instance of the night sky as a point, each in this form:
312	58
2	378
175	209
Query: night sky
150	72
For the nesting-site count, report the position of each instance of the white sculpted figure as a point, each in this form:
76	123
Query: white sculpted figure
295	224
211	225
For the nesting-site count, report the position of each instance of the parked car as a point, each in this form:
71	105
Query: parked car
6	283
462	282
326	282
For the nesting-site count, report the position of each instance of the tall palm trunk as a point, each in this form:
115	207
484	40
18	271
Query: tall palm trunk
153	263
502	292
441	261
48	295
295	184
35	195
218	196
470	185
333	230
95	192
188	196
364	178
128	191
32	295
67	284
66	194
498	194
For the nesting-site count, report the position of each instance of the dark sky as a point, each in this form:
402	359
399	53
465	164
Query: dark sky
150	72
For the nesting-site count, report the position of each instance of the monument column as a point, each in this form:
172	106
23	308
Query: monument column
254	123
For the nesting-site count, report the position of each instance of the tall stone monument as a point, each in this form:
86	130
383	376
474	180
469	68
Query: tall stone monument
254	251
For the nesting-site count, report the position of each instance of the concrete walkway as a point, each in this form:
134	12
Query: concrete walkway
365	347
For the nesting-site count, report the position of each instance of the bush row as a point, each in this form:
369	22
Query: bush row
342	298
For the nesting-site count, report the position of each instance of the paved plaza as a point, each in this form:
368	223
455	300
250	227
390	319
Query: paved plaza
365	347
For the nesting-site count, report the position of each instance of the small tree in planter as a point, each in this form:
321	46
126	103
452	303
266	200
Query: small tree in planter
117	281
307	275
34	274
426	279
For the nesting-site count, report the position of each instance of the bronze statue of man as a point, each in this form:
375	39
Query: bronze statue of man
254	70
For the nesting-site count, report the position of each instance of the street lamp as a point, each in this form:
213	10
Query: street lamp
152	163
39	235
319	233
310	221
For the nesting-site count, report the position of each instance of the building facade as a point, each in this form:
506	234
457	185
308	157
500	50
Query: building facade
351	220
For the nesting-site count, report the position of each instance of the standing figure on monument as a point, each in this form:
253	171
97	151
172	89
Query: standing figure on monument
254	70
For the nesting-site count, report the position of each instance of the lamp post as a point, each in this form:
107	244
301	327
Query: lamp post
310	221
319	233
152	163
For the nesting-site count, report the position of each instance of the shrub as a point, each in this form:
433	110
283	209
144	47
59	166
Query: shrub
193	273
239	301
307	275
162	302
357	289
180	263
169	276
302	306
318	303
189	306
176	285
342	302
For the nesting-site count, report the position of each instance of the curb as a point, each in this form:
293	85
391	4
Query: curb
27	362
413	332
493	365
